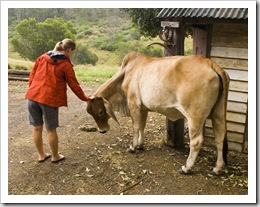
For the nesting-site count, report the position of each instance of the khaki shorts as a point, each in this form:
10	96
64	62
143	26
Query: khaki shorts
41	113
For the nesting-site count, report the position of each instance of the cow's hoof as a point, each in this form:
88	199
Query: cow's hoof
141	147
216	173
213	173
131	149
182	172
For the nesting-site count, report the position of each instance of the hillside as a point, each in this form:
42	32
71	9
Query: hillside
108	33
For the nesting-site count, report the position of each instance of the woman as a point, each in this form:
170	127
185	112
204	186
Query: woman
47	92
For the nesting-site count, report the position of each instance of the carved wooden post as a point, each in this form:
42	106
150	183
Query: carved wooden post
175	130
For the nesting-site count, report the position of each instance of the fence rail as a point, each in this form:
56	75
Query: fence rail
18	75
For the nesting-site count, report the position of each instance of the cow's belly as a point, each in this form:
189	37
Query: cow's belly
162	102
171	113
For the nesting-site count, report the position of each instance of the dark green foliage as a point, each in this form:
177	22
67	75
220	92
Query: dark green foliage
84	31
147	23
145	20
152	51
113	43
106	43
188	52
83	56
35	38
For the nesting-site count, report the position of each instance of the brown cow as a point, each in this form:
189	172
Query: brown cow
193	87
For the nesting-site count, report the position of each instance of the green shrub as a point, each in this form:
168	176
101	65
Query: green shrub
109	46
80	35
83	56
126	47
88	32
105	43
35	38
152	51
131	34
84	33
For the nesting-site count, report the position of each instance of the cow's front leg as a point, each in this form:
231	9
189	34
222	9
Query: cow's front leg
137	135
140	141
139	121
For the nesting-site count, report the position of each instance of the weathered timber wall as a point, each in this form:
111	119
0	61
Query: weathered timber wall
229	48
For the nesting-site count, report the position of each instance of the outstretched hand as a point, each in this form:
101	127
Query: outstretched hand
90	97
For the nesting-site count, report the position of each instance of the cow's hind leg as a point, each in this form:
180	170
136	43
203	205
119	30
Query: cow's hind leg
219	130
196	140
218	118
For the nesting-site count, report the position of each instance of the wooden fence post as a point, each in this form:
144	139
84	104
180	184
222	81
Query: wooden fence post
175	129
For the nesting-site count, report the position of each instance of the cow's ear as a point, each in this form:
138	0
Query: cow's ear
109	110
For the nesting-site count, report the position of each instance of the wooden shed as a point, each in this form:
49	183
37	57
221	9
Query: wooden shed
220	34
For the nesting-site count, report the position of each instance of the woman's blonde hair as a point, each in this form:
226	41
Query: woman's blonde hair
65	45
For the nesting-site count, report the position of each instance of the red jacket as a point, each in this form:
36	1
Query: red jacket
49	77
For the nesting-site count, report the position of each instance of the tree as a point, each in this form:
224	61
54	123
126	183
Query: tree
145	20
35	38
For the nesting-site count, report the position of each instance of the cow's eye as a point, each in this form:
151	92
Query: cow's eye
101	113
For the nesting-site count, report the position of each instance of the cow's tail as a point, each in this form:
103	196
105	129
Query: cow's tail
224	77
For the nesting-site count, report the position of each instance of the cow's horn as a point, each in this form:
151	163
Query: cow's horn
109	110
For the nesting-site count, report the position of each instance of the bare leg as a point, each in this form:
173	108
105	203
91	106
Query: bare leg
37	137
53	142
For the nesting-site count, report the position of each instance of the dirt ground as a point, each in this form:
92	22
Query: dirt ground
98	164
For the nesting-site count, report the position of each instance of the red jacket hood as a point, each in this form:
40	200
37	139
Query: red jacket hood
56	57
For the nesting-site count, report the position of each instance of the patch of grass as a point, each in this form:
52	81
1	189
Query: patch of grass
107	58
94	75
20	64
16	89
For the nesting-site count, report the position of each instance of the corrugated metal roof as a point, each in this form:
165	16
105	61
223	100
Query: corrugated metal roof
226	13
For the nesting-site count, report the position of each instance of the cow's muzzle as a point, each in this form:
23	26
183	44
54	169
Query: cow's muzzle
104	129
